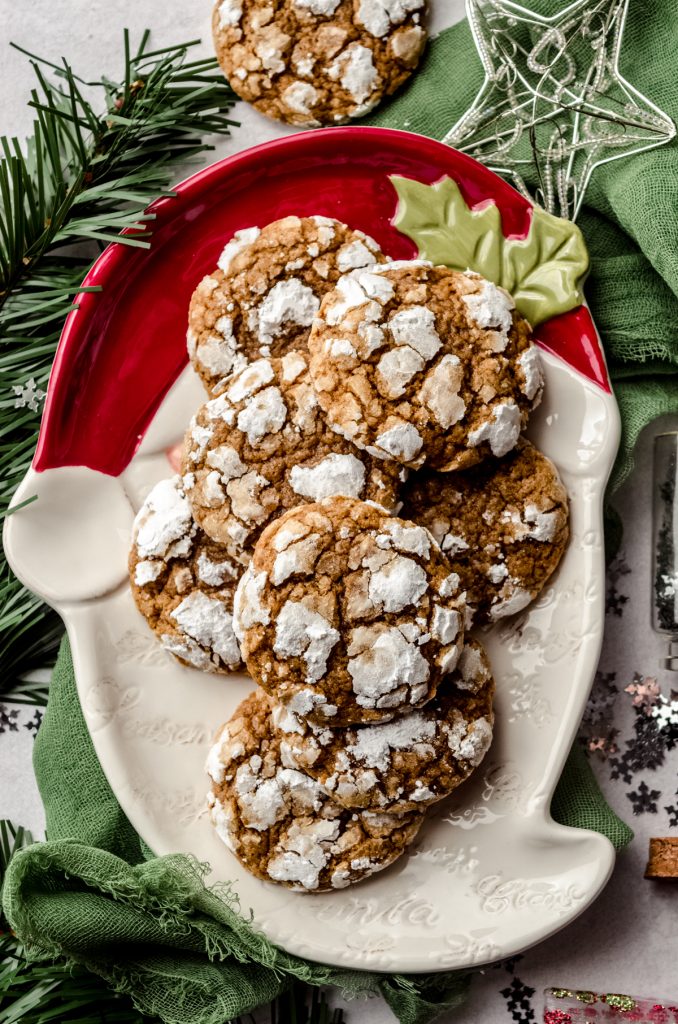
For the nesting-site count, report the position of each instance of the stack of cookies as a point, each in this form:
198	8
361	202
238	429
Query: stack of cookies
355	495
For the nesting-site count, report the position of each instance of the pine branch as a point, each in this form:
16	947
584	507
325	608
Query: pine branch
83	176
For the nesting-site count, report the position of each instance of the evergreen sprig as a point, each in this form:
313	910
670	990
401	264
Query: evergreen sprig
83	176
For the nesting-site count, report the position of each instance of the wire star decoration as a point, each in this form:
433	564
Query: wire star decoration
554	104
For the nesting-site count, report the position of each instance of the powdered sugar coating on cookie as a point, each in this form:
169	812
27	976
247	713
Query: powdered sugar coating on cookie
313	62
411	761
503	524
424	365
346	615
266	290
281	824
262	446
183	583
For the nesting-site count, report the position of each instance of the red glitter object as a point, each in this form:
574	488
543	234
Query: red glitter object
557	1017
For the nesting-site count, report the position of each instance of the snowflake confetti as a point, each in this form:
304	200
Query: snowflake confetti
644	800
8	720
665	712
604	746
34	723
518	998
614	600
600	705
28	395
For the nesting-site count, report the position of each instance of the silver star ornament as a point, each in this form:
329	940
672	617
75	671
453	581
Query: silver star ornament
554	104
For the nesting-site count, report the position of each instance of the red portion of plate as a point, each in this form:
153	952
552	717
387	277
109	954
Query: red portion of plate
123	348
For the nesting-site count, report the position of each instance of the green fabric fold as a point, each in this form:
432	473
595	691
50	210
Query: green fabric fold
93	894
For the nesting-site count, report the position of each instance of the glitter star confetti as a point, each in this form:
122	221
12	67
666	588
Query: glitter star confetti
554	104
645	692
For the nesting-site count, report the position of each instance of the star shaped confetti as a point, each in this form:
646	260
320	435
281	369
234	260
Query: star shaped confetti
645	692
554	104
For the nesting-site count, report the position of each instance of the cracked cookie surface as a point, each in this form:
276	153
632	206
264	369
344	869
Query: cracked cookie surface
313	62
266	289
183	583
347	615
503	524
421	364
407	763
262	446
281	824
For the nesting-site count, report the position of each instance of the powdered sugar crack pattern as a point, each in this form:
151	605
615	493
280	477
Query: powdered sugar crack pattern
503	523
410	762
346	615
262	297
282	824
424	365
183	582
313	62
261	446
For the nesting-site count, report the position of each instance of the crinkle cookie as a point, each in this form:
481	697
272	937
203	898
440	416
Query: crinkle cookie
281	824
346	615
407	763
267	288
183	583
421	364
313	62
262	446
504	526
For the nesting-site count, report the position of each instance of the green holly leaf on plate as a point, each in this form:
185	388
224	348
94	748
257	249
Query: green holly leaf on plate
543	272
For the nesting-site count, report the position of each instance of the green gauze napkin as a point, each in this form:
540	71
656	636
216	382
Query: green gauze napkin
96	896
149	925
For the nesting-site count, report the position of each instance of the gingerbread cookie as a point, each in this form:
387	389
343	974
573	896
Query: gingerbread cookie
281	824
314	62
407	763
422	364
262	298
346	615
262	446
503	524
183	583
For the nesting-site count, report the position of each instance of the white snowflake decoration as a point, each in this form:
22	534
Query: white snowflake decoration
666	712
28	394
